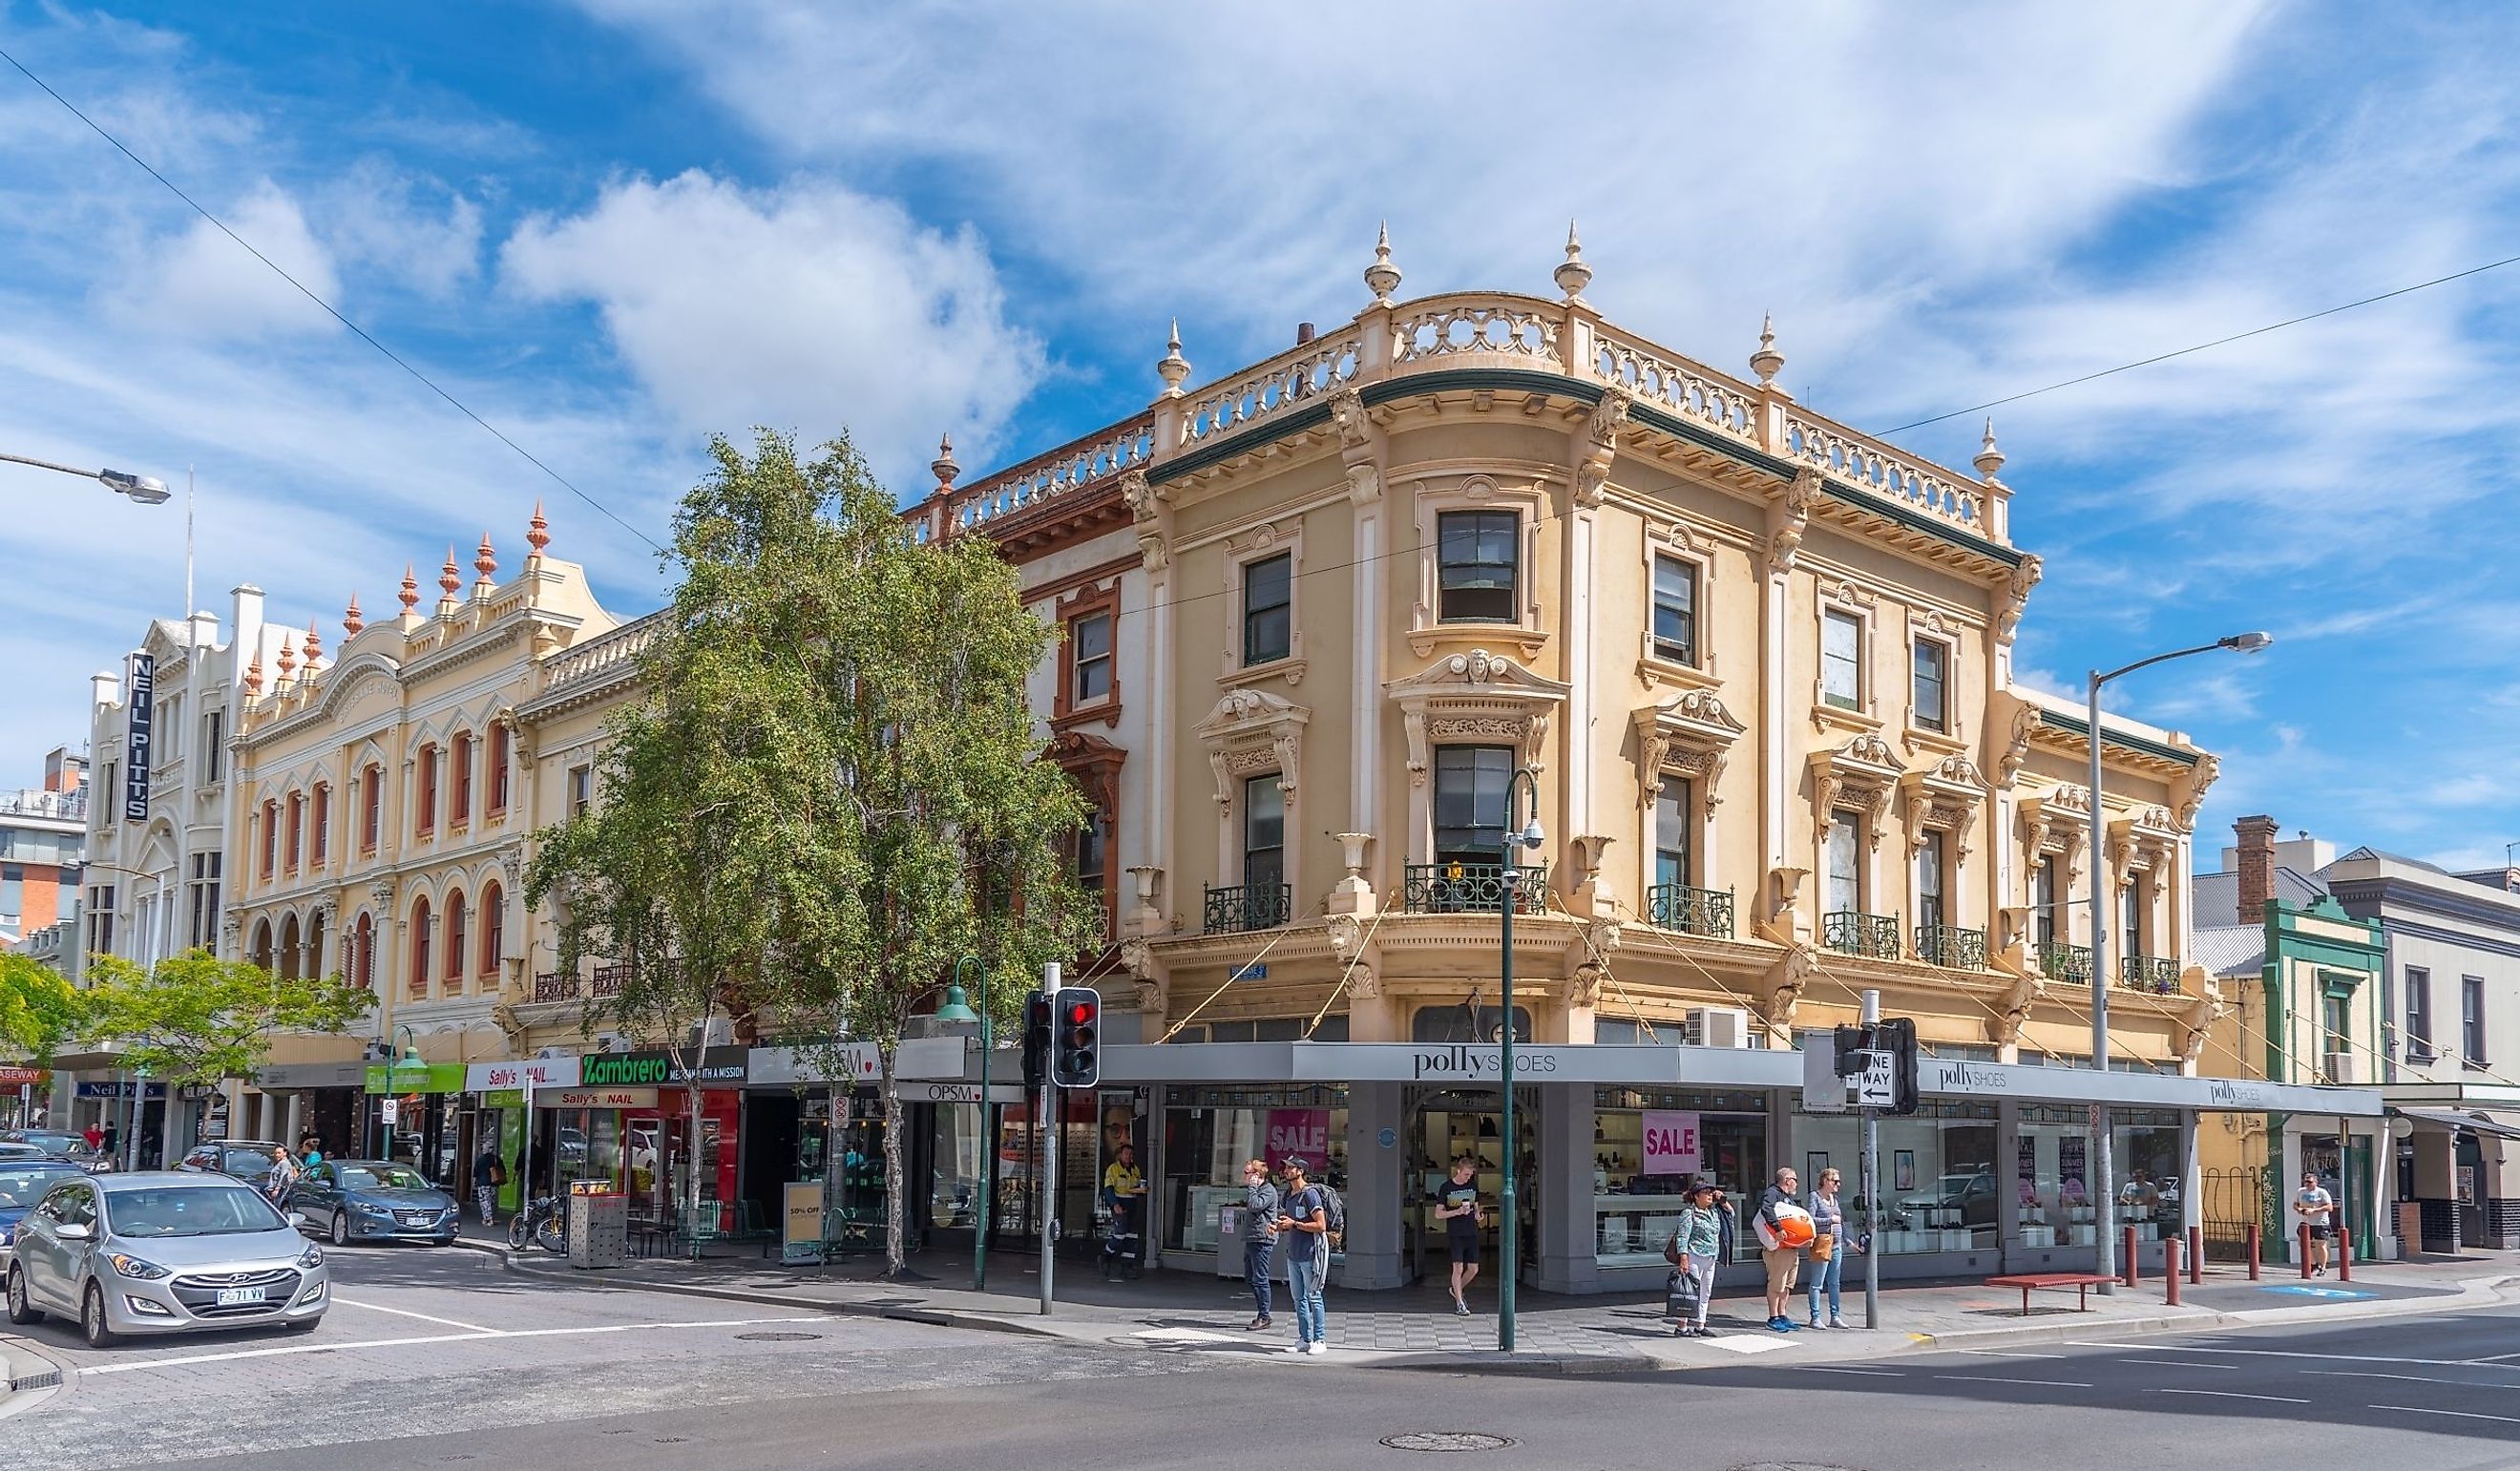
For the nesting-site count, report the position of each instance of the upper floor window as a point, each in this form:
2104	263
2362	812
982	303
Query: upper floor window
1470	787
2419	1014
107	790
581	790
1476	562
1841	659
321	819
497	772
2471	1007
1268	608
270	835
1090	658
494	929
1674	611
1842	865
1092	852
214	744
363	954
1264	832
202	930
457	932
1932	860
2047	892
419	932
427	822
459	809
2336	1024
296	828
1673	803
372	805
1931	685
2130	917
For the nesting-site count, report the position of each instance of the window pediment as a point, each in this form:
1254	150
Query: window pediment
1691	734
1857	776
1945	796
1477	696
1252	733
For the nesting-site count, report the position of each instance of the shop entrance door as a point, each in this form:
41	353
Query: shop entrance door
2346	1175
1450	1124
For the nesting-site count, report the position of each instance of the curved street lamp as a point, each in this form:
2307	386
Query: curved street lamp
956	1008
395	1062
1508	897
145	490
2104	1181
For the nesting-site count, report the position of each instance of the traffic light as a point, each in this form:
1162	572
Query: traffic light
1076	1037
1851	1044
1036	1039
1897	1035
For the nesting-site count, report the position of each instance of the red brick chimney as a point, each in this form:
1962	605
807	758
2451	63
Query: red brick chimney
2257	852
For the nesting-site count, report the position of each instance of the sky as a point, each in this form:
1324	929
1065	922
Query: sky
614	227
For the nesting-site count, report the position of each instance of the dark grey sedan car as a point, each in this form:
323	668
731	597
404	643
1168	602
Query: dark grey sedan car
373	1200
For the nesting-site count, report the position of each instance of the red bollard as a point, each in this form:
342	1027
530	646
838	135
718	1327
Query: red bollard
2300	1248
2345	1254
2134	1274
2257	1249
2169	1266
2196	1254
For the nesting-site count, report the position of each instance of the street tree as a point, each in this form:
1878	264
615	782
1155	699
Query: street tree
39	1008
830	787
194	1019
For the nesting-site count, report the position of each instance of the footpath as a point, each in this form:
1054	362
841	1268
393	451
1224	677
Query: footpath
1415	1328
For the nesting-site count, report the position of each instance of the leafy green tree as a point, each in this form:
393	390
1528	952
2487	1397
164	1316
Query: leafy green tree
39	1008
832	788
193	1018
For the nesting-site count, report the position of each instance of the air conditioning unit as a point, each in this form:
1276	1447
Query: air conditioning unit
611	1042
1718	1027
716	1032
2344	1069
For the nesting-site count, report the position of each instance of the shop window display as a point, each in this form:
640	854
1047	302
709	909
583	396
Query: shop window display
2051	1176
2151	1170
1937	1190
1211	1132
1645	1145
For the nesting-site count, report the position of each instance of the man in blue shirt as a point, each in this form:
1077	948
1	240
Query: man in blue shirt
1304	1216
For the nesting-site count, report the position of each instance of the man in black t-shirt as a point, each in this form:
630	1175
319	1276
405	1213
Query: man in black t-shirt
1456	1205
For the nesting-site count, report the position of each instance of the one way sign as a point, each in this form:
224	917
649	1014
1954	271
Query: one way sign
1879	1086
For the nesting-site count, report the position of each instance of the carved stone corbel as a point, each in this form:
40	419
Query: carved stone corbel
2191	795
1598	445
1359	452
2016	597
1782	989
2203	1010
1779	922
1789	516
2016	749
2012	1009
1150	511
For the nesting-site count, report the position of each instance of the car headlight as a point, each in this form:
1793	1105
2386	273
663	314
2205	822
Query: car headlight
8	1235
311	1258
371	1208
135	1269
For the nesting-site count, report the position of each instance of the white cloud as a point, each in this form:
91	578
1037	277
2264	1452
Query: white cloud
415	233
808	307
201	284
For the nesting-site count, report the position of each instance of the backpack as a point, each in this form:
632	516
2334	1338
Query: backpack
1333	1217
498	1173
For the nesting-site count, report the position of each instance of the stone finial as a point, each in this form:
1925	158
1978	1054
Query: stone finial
314	643
287	656
410	592
1989	459
538	530
1174	367
1572	275
1382	278
1767	362
253	677
352	620
945	467
485	562
448	579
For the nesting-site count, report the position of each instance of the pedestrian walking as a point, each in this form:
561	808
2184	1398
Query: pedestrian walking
1124	1190
1784	1230
1456	1205
110	1143
1832	1243
1696	1245
2317	1211
489	1173
1259	1241
1303	1221
282	1178
95	1138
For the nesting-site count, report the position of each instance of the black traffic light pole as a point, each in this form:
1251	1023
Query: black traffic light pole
1047	1133
1872	1180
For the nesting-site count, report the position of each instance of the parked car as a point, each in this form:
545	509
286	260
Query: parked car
158	1251
373	1200
10	1153
60	1144
248	1160
22	1183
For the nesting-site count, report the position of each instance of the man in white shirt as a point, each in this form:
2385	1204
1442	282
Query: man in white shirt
2317	1211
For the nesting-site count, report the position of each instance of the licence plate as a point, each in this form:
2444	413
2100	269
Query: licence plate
233	1297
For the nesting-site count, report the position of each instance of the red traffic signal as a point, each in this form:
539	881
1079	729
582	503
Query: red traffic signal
1077	1045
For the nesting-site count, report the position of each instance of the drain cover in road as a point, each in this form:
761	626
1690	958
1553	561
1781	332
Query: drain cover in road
1447	1439
778	1337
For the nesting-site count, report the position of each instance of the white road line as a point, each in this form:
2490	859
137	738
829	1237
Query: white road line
2464	1414
1989	1379
2005	1354
2182	1363
1823	1368
2225	1394
2494	1358
179	1361
450	1323
2408	1378
2445	1364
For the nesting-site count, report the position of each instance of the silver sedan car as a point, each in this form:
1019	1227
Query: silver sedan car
160	1252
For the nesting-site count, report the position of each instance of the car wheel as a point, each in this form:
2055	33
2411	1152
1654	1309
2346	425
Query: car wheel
340	1227
20	1311
92	1324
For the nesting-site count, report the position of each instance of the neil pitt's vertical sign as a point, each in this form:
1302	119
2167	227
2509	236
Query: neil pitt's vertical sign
139	734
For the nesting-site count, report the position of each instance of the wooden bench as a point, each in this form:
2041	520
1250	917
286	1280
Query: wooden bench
2082	1281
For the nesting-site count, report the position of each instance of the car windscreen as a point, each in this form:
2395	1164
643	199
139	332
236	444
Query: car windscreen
21	1188
381	1178
190	1211
58	1144
247	1164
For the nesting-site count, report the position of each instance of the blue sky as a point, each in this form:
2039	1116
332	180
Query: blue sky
615	226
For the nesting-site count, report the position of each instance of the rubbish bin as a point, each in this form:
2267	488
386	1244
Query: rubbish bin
599	1229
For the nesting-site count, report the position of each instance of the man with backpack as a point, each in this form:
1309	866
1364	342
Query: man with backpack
1313	1213
1784	1230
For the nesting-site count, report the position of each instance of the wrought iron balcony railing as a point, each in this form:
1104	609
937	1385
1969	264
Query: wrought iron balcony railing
1248	906
552	986
1691	912
2065	962
1473	888
1853	932
607	981
2156	975
1950	946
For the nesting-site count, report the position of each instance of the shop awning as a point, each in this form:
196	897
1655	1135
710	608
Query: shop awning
2450	1118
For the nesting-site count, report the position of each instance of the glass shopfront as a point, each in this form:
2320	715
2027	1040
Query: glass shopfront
1211	1131
2051	1176
1647	1143
2151	1169
1937	1190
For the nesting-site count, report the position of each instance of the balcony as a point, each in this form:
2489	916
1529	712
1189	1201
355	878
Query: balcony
2153	975
552	986
2065	962
1691	912
1473	888
607	981
1950	946
1247	906
1852	932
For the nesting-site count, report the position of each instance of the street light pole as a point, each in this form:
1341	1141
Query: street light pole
988	1136
145	490
2105	1177
1509	881
394	1060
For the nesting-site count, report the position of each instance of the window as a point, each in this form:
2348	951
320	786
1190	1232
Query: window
372	805
363	954
1930	881
419	949
456	934
322	819
1264	834
1844	868
581	790
458	811
1674	611
113	808
1932	684
2131	915
201	931
1841	659
1090	657
1673	804
214	738
494	929
1470	787
2419	1014
99	919
1475	562
296	828
1268	609
498	770
270	835
1092	852
427	822
2044	892
2471	1019
2335	1024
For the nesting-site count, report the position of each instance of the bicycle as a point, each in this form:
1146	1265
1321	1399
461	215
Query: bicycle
543	1223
